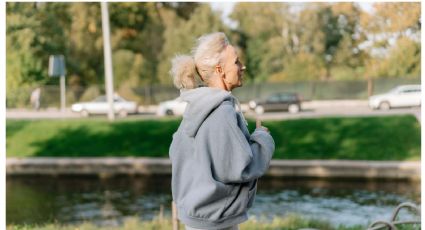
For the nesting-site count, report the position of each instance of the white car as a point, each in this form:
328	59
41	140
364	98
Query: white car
100	106
171	107
401	96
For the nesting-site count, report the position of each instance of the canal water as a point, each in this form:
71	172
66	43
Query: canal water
72	200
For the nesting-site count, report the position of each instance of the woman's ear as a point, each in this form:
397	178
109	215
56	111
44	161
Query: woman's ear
219	70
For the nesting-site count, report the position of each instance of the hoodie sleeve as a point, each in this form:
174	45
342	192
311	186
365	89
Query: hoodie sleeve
234	158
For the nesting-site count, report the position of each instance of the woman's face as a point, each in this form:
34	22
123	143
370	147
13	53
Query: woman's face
232	67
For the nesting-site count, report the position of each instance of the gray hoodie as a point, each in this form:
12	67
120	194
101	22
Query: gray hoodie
215	161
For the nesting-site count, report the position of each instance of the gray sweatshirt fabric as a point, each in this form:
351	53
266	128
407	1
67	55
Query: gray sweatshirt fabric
216	161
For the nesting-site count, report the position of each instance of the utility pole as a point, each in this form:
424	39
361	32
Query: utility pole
108	60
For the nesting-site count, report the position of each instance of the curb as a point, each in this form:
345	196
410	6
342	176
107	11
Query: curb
111	166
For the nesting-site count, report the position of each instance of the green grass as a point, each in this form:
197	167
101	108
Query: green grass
290	222
361	138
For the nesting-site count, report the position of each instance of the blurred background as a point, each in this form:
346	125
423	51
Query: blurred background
337	82
322	50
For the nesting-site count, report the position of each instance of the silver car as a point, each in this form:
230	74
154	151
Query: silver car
100	106
401	96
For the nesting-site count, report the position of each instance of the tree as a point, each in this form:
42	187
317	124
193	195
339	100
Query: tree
403	60
180	35
85	56
260	27
281	36
394	32
37	30
394	36
136	43
334	33
34	31
303	64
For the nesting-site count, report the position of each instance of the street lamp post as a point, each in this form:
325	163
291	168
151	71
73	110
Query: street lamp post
108	60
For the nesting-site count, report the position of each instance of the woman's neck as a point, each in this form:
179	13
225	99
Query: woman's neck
218	83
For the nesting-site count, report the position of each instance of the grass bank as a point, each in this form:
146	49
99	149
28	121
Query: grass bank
360	138
290	222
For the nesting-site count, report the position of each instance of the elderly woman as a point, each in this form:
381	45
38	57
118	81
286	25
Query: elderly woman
215	160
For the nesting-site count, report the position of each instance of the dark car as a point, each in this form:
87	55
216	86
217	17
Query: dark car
290	102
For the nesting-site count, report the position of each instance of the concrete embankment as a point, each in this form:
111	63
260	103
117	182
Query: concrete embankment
111	166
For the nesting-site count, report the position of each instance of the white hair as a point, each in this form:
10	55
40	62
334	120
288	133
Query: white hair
205	56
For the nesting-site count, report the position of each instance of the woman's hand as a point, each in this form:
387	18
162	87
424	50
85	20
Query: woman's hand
258	125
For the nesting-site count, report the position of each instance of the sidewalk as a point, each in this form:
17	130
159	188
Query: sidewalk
55	113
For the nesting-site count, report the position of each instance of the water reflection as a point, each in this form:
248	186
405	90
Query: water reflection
110	201
339	201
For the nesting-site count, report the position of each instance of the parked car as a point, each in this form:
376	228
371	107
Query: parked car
290	102
171	107
400	96
100	106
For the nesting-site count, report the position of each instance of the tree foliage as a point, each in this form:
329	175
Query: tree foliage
394	31
278	41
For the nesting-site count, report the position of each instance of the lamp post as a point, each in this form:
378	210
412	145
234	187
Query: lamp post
108	60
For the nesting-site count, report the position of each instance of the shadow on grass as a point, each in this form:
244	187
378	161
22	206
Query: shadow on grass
369	138
133	138
359	138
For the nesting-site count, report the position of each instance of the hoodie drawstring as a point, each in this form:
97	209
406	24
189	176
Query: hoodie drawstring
240	110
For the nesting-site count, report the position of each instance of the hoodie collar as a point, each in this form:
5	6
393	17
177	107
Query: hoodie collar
201	102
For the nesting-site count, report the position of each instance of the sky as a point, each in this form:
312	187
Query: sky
227	7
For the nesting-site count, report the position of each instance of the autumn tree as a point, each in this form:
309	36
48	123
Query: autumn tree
393	31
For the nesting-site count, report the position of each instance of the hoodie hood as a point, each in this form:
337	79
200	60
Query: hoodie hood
201	102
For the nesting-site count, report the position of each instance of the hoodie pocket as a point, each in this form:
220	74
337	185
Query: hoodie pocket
241	199
236	202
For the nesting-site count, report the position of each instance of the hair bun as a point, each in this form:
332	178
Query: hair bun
183	71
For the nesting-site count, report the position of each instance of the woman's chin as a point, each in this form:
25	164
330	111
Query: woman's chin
239	84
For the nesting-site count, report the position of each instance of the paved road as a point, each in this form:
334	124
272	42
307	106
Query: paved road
340	111
310	110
